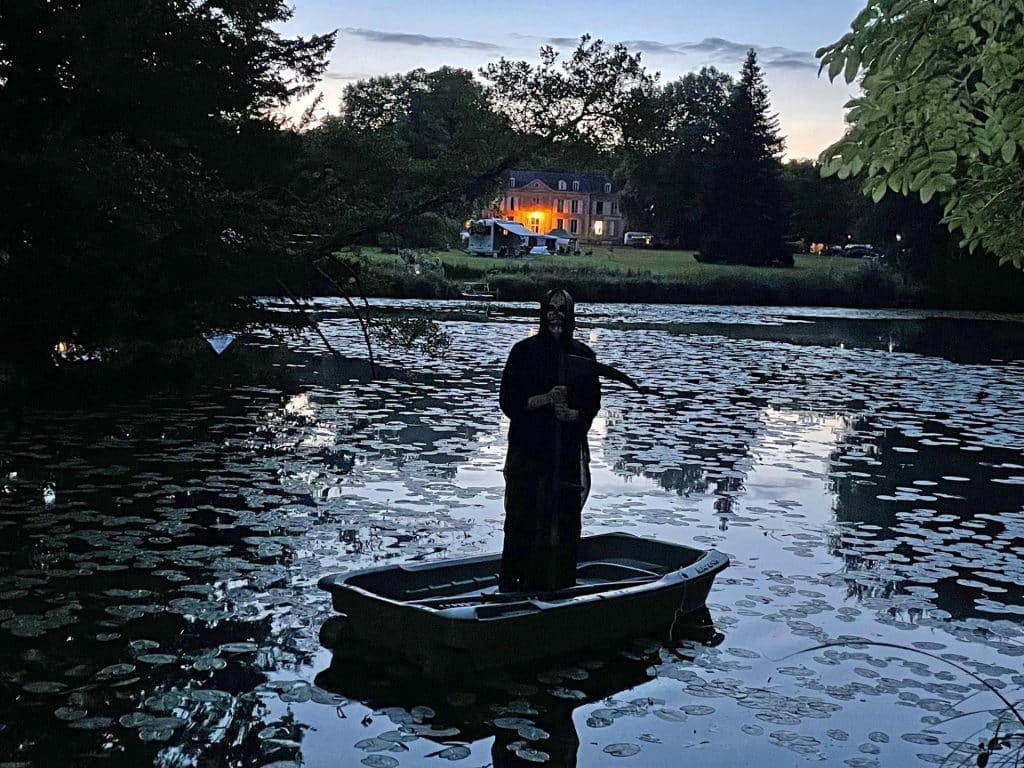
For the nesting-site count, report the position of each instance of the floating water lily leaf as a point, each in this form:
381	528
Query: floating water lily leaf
115	670
622	749
297	693
320	696
43	686
379	761
157	659
239	647
95	723
532	733
374	745
70	713
532	755
209	663
457	752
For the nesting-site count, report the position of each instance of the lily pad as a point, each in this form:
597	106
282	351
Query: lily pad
622	749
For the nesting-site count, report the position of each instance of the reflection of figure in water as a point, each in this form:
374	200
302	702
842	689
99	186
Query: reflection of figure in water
550	404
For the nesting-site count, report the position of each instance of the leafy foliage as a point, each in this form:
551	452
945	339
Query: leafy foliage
745	219
942	112
139	161
663	183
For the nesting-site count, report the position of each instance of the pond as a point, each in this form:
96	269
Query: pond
160	545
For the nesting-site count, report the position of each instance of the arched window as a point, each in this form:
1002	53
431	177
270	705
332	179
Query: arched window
608	187
575	186
561	184
511	181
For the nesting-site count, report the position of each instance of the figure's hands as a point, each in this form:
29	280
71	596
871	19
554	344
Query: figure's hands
565	413
557	394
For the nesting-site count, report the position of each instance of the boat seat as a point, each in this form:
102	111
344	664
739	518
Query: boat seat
607	571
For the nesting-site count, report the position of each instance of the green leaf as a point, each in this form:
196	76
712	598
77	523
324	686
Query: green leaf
852	65
835	66
1009	150
878	192
927	193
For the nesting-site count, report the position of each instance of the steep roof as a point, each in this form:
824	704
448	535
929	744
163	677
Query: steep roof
592	183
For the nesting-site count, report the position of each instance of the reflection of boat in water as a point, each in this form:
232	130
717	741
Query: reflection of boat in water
526	709
478	292
448	615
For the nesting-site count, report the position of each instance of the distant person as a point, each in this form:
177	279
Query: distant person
550	403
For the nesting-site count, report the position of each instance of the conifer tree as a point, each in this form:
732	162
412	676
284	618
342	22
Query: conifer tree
745	215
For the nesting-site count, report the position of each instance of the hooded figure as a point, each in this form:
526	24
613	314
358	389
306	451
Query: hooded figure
550	405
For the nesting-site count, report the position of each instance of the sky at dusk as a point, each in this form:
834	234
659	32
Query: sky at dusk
674	36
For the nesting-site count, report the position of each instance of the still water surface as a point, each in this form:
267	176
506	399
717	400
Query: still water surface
160	546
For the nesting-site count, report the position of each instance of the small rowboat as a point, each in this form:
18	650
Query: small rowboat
448	616
478	292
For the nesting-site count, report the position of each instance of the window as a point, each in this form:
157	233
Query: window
560	205
574	226
535	224
574	206
611	229
599	207
536	201
575	186
598	227
511	203
511	181
559	223
608	188
561	184
615	208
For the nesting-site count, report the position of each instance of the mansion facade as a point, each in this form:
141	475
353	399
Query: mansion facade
585	205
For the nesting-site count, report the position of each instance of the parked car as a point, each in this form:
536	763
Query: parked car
859	251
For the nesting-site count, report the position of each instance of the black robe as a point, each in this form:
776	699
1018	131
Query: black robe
542	516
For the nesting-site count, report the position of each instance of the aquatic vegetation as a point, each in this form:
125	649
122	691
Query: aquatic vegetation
864	480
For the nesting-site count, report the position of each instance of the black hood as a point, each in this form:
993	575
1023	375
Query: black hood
568	324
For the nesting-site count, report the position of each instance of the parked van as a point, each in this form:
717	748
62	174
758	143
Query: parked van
638	239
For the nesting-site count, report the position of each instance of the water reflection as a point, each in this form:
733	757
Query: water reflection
162	535
935	510
525	713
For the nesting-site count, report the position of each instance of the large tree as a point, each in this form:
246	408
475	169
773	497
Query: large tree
140	161
745	219
941	113
664	177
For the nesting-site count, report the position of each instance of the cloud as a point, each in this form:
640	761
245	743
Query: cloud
720	49
404	38
651	46
562	42
347	76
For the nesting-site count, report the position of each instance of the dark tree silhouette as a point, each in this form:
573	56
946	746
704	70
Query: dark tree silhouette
745	220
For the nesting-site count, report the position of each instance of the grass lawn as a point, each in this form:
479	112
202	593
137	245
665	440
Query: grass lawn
675	265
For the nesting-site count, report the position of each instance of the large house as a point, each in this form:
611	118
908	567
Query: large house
586	205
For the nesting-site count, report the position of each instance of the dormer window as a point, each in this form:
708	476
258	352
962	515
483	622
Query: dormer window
561	184
511	181
608	188
575	186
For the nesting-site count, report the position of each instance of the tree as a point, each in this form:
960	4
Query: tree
941	113
745	219
664	177
827	210
140	161
595	98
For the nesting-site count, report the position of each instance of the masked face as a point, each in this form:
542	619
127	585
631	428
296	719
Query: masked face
554	315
